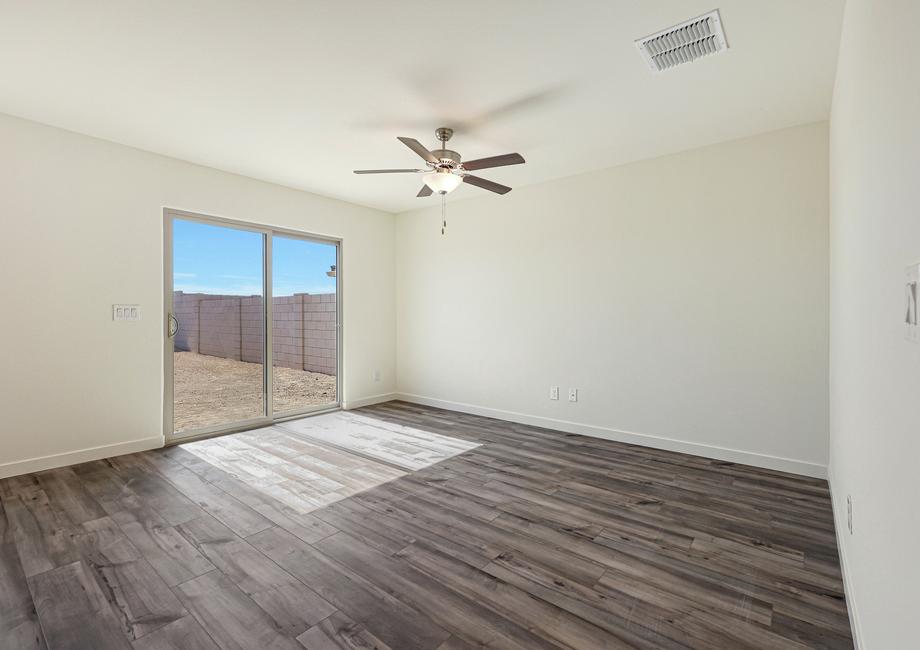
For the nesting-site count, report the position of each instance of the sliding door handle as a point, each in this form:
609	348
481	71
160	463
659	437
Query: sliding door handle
173	327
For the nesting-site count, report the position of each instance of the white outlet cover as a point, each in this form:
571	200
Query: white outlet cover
573	394
554	392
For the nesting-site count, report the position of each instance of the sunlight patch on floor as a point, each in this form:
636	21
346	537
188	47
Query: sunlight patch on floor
310	463
397	444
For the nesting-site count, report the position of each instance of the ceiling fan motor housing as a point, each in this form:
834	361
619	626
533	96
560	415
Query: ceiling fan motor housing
447	158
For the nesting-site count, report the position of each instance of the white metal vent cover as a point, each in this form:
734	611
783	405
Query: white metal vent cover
683	43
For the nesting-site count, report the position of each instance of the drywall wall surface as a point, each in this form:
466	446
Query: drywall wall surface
875	370
82	226
685	298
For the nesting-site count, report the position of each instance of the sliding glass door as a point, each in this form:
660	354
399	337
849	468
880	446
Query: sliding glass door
304	318
218	296
238	295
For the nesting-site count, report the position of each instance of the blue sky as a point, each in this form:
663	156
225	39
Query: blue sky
216	259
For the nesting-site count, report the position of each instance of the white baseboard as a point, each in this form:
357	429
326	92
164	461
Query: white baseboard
367	401
842	534
778	463
40	463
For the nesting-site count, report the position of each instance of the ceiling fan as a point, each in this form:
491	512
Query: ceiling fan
445	171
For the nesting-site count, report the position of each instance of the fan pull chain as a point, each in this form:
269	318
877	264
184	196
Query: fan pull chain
443	213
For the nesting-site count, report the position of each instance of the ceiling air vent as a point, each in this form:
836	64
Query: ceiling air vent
683	43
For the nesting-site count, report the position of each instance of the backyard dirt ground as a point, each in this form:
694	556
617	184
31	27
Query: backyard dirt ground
211	390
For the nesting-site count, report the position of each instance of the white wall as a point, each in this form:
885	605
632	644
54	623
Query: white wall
875	372
82	228
629	284
685	297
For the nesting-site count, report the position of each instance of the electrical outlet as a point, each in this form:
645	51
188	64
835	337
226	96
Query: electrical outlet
850	513
573	394
376	375
554	392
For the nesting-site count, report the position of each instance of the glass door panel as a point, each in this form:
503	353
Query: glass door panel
218	306
304	324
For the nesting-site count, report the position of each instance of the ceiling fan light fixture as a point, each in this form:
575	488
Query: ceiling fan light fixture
442	181
445	171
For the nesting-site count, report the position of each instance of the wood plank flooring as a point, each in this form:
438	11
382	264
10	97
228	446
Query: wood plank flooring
329	533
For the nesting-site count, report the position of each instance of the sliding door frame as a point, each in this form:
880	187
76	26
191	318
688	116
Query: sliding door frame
269	416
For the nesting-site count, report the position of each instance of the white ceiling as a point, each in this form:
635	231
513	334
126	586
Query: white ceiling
301	92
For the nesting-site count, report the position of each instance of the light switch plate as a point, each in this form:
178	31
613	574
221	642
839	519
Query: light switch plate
126	312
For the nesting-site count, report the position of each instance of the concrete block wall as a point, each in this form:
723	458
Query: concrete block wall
319	333
251	329
303	328
185	309
287	331
219	327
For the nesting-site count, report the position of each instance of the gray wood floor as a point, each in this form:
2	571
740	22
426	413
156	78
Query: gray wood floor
533	539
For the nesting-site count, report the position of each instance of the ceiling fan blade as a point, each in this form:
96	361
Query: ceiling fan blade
486	185
418	148
495	161
425	191
389	171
